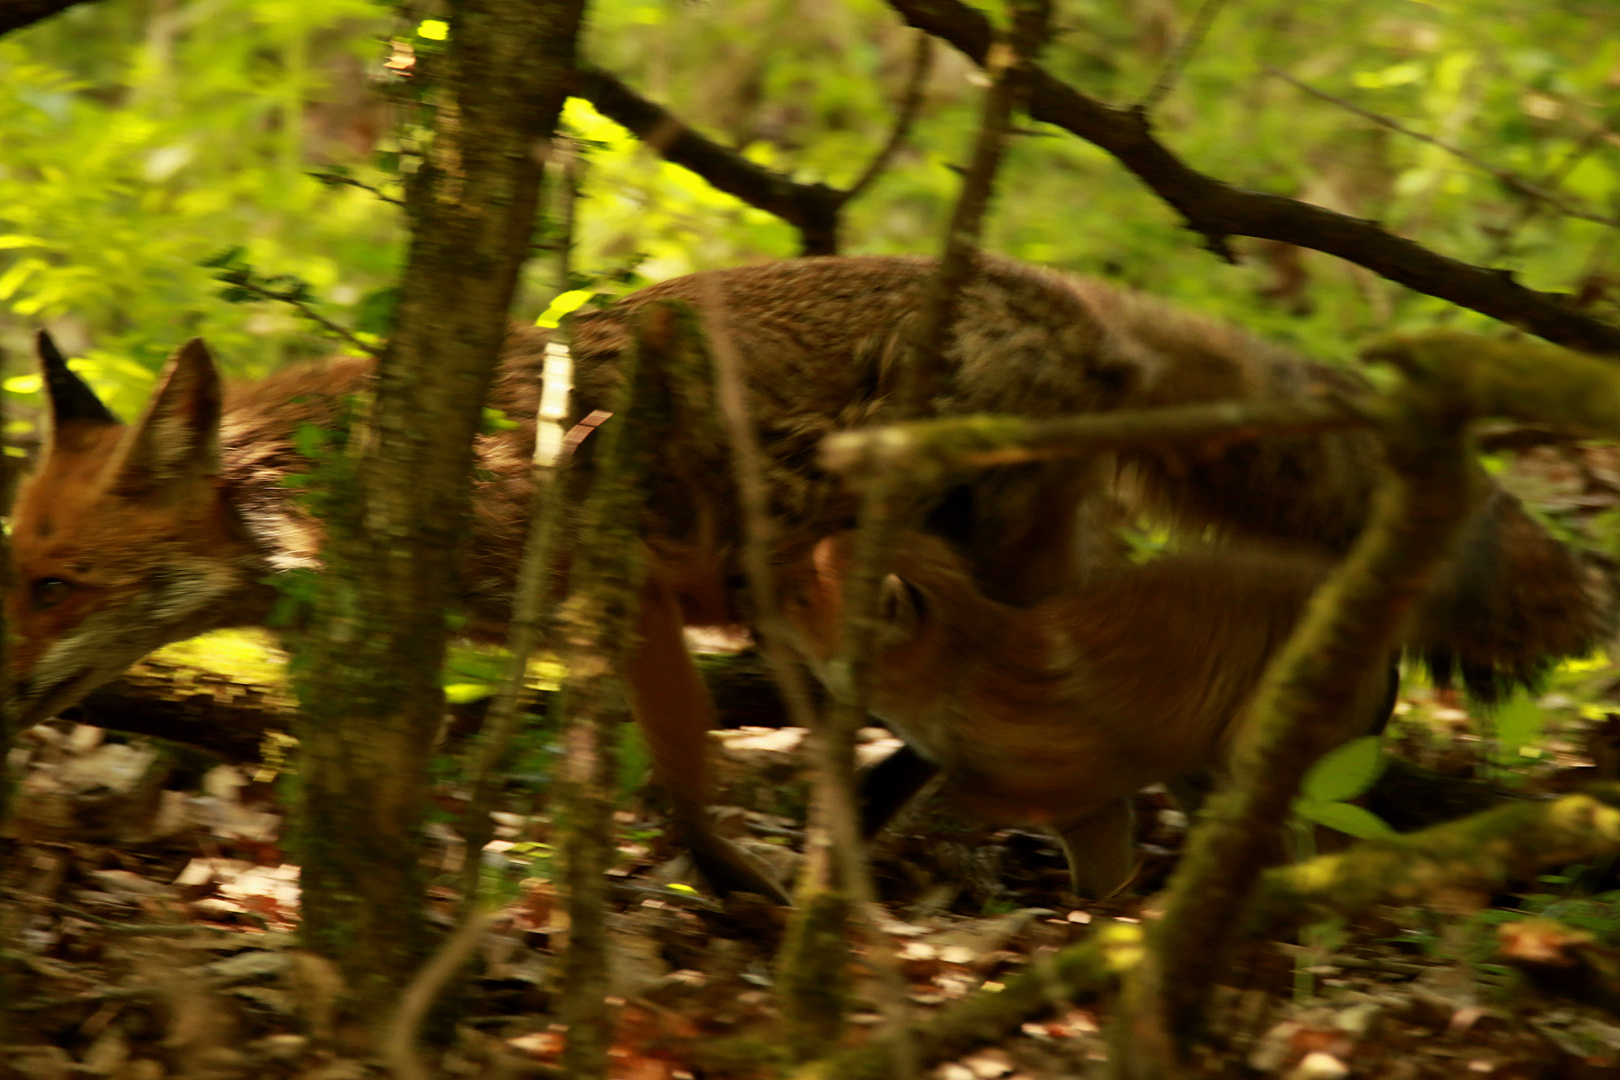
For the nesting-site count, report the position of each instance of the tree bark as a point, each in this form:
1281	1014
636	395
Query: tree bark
396	501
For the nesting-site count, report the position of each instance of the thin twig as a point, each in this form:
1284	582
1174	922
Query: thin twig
1512	180
303	308
398	1043
1529	207
569	177
843	823
852	671
911	102
1185	48
337	179
810	208
813	209
543	554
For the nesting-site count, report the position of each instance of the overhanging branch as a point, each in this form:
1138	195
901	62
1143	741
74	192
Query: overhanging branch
813	209
810	208
1218	210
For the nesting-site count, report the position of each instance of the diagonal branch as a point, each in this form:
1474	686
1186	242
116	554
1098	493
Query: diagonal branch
813	209
1217	210
810	208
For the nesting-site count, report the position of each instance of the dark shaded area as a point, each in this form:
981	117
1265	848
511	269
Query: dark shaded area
16	14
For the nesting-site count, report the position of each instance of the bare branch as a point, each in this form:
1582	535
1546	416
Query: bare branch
810	208
924	451
333	177
848	846
1482	853
292	298
398	1043
1077	973
922	62
1335	660
1512	180
1185	48
813	209
1217	210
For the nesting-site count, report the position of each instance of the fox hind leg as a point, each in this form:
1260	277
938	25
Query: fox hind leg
1101	849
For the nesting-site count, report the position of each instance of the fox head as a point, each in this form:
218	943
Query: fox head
123	539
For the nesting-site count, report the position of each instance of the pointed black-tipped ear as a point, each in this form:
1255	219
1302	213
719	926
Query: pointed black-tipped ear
71	397
177	437
903	607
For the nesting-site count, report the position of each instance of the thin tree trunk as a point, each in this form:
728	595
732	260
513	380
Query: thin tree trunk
368	679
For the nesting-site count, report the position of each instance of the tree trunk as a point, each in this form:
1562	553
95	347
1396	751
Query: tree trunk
368	678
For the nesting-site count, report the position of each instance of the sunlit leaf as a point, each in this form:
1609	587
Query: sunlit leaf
1345	772
1346	818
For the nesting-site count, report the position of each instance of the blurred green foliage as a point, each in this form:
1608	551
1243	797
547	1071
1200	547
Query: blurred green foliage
138	138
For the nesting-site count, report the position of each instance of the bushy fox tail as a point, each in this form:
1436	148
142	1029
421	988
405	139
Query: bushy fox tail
1510	602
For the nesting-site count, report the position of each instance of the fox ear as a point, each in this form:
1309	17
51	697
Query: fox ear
72	400
904	609
177	437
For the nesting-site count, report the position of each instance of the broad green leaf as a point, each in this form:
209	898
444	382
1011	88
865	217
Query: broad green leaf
466	693
562	305
1518	723
1345	772
1346	818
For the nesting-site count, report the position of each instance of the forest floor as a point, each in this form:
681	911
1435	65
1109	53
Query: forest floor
151	914
157	927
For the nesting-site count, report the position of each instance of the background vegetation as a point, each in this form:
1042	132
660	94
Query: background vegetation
140	138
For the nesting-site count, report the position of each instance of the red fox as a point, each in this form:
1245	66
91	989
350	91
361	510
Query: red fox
129	537
1057	713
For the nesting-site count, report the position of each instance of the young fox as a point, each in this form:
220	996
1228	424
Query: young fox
127	538
1057	713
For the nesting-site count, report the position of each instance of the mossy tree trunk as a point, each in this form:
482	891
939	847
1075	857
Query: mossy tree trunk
397	501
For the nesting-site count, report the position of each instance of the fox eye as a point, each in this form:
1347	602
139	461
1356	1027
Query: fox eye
49	591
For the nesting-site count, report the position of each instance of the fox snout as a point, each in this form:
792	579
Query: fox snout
122	541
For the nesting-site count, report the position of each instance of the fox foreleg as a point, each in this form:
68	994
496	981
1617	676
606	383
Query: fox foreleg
672	705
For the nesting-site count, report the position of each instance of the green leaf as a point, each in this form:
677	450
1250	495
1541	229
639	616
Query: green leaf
1518	724
562	305
496	420
1346	818
466	693
1345	772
